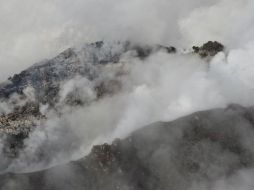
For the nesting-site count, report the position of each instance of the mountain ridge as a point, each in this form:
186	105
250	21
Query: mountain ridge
204	146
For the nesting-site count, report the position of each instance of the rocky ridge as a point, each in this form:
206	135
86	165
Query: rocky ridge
200	148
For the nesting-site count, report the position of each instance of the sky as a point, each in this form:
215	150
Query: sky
35	30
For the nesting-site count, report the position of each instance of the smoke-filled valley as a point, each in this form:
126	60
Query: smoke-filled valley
138	95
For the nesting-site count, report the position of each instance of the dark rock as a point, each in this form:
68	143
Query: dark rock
209	49
98	44
170	49
17	125
143	51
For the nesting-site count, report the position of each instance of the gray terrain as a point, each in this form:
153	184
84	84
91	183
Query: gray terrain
203	147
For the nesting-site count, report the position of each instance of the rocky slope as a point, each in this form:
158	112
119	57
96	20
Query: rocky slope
198	149
46	78
41	84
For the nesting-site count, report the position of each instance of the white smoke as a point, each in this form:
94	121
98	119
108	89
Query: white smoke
228	21
160	88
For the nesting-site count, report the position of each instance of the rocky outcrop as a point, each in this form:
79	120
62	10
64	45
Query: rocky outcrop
209	49
203	147
17	125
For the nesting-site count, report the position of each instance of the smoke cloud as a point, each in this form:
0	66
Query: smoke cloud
162	87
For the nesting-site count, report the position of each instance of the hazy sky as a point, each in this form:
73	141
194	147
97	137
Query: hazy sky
33	30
